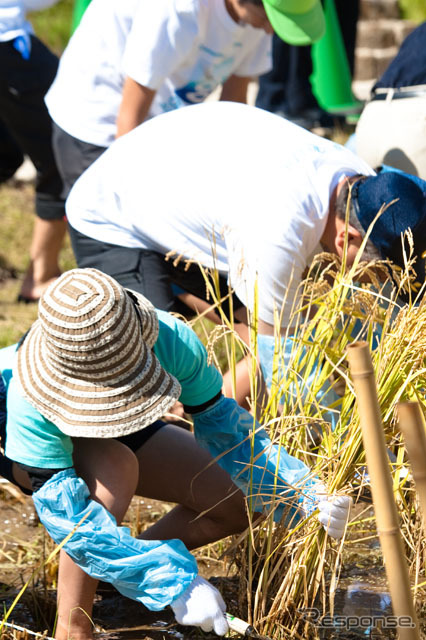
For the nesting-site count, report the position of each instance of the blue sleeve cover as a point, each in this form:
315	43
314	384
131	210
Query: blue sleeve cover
267	346
265	472
154	573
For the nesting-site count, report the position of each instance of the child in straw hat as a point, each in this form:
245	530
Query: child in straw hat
87	392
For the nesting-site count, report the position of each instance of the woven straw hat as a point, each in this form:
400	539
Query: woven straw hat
87	363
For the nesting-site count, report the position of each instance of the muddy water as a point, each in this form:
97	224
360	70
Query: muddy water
116	618
357	604
361	605
362	609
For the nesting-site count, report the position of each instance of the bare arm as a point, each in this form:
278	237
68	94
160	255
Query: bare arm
264	328
135	103
235	89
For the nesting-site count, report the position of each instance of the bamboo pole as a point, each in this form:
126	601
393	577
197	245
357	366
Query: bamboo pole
412	426
362	373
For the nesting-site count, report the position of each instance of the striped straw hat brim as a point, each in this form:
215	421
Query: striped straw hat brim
87	363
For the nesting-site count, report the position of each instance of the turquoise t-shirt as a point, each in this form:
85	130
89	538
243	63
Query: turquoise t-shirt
35	441
31	438
182	354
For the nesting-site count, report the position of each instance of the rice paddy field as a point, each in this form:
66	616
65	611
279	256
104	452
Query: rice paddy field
288	583
297	582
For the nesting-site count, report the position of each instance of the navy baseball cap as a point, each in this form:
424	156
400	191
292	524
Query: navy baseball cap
407	211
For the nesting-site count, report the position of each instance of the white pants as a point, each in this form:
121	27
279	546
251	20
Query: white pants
393	132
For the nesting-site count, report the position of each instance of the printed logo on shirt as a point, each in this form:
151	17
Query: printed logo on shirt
194	92
172	103
211	70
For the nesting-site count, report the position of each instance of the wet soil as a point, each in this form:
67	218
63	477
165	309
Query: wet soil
23	543
362	604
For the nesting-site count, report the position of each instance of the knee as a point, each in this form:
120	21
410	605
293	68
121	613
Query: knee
234	514
111	471
237	516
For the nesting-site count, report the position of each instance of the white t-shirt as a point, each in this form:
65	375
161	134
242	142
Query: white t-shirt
224	184
182	49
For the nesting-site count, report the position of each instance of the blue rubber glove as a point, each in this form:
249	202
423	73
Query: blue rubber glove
152	572
326	396
265	472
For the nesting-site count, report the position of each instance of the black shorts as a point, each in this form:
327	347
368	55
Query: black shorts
148	272
25	124
136	440
6	471
39	476
73	156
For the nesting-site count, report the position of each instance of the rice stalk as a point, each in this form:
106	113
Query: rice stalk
285	572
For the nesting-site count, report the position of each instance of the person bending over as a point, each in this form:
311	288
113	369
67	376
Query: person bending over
88	390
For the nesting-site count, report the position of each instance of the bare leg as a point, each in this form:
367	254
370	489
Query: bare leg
169	466
110	470
199	306
239	387
175	469
21	476
44	255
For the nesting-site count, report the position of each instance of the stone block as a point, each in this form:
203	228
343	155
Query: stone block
365	64
383	58
372	34
402	28
376	9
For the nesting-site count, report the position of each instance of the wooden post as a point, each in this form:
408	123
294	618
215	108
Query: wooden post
412	426
362	373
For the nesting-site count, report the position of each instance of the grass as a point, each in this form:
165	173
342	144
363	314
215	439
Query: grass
413	10
53	25
17	213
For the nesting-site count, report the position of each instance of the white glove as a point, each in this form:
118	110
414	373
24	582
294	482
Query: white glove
334	514
333	510
201	605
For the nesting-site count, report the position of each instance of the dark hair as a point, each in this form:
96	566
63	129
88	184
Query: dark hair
258	3
344	195
342	199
